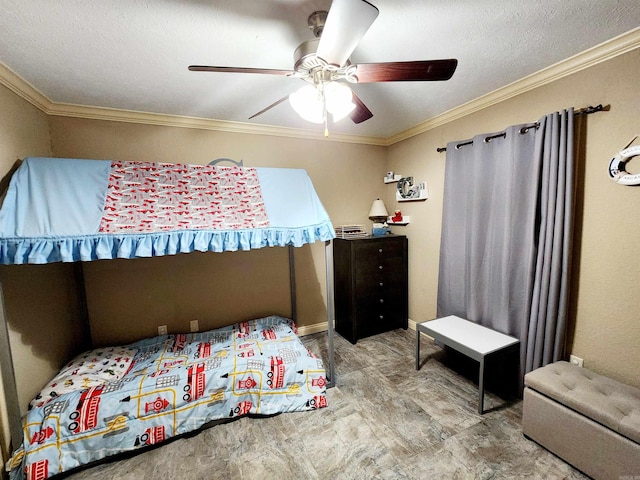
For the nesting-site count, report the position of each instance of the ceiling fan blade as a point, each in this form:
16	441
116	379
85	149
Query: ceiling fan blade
274	104
421	70
361	112
269	71
347	22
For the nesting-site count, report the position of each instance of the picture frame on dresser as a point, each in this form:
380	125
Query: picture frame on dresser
371	285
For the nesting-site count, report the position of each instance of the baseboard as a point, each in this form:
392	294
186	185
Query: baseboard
310	329
322	327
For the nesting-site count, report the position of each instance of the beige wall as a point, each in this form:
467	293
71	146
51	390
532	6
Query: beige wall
605	313
210	287
24	130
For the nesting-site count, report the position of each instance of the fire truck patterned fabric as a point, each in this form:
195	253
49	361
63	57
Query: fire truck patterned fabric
87	370
176	384
154	197
69	210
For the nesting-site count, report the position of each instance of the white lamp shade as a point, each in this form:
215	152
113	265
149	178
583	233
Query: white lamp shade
308	101
339	100
378	211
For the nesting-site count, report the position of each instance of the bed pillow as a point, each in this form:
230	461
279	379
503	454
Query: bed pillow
88	369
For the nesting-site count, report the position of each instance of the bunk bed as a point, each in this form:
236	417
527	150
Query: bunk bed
73	210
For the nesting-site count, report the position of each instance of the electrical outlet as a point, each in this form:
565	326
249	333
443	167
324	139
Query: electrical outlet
162	329
577	361
193	324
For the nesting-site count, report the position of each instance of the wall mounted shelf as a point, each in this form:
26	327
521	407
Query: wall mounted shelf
406	219
392	180
409	191
423	195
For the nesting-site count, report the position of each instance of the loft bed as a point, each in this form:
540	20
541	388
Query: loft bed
72	210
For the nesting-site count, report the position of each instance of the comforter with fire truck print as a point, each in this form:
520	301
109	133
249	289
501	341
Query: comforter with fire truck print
175	384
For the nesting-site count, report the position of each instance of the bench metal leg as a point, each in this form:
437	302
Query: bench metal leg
481	387
417	348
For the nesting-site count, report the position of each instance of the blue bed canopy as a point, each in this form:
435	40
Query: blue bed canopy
73	210
80	210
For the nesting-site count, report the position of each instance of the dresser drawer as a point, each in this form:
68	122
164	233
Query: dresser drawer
392	292
392	247
377	319
381	266
377	283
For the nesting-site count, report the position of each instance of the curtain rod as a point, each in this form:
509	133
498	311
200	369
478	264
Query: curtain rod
581	111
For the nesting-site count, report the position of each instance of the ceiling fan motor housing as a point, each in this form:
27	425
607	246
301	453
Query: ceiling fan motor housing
316	22
312	68
305	58
307	64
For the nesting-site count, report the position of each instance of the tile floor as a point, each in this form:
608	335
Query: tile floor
384	420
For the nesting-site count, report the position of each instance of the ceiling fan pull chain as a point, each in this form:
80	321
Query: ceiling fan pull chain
324	109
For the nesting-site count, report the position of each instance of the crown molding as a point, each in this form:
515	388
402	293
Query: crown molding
600	53
147	118
22	88
617	46
26	91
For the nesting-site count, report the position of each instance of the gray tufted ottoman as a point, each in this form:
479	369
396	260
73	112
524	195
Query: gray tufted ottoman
589	420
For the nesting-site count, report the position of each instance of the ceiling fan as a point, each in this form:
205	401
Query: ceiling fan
324	63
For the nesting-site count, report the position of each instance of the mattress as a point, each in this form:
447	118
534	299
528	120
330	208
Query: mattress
122	399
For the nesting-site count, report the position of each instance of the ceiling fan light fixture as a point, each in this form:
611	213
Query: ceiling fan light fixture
308	101
339	98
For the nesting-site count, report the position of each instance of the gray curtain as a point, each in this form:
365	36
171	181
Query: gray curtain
506	234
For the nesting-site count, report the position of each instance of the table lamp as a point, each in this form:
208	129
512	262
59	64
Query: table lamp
379	215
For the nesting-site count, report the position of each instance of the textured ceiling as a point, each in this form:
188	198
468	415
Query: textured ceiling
133	54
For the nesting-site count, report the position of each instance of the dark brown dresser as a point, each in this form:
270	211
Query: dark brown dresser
371	285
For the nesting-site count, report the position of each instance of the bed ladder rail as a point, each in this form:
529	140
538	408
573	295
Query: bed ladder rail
331	312
8	379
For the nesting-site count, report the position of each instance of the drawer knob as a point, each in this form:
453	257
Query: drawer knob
382	300
382	284
379	250
381	317
380	267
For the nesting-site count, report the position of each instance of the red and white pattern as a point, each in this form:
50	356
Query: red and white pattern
152	197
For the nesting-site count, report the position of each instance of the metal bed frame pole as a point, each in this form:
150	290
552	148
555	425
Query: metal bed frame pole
8	379
331	376
292	282
328	255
